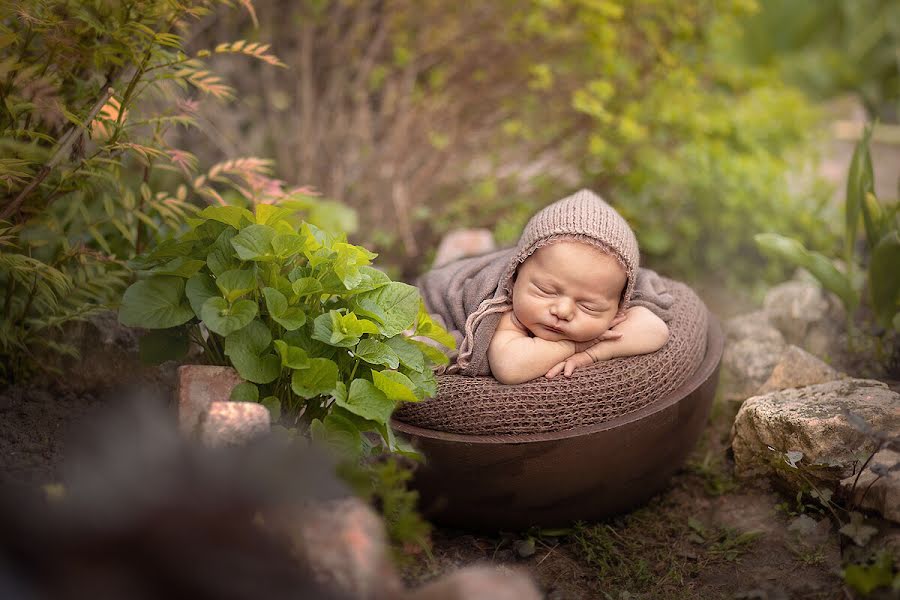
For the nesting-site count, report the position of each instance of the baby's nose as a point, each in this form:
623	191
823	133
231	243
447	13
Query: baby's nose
563	308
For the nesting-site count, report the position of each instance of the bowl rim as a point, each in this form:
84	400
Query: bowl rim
715	342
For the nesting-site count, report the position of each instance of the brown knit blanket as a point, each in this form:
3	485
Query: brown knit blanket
593	395
455	291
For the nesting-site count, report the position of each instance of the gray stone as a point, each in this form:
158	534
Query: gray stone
345	545
811	421
480	583
808	317
877	493
752	349
797	368
460	243
198	387
233	423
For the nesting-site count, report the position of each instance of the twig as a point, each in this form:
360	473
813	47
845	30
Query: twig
62	150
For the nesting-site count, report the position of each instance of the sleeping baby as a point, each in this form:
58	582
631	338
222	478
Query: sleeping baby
568	295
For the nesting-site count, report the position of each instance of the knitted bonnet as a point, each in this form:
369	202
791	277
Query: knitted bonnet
582	217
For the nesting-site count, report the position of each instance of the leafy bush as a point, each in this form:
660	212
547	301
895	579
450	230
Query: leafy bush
300	314
871	274
91	95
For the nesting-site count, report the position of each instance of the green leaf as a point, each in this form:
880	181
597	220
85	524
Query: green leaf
274	406
287	245
365	307
306	286
159	345
367	401
377	353
817	264
198	290
343	331
431	353
339	433
276	303
224	318
254	243
884	278
269	214
318	379
289	317
235	216
860	181
245	348
410	356
179	267
347	262
426	385
221	256
292	357
426	327
245	392
395	386
155	303
400	303
235	283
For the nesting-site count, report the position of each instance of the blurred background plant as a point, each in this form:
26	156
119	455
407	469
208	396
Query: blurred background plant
430	115
91	94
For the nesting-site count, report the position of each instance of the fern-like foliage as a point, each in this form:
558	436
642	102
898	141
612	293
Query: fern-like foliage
90	93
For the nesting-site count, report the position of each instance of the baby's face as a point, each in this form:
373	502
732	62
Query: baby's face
568	291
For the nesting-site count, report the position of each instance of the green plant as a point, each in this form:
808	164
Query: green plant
875	268
91	93
316	332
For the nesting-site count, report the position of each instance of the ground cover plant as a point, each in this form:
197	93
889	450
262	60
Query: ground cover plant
300	314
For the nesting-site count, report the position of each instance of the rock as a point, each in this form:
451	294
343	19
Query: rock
460	243
344	544
879	494
198	387
752	348
807	316
811	421
233	423
797	368
479	583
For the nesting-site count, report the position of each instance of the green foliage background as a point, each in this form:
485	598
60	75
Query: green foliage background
431	115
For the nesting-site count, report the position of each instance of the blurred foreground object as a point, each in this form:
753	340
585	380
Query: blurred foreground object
143	513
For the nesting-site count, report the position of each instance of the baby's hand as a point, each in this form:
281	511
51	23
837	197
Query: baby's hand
568	366
607	335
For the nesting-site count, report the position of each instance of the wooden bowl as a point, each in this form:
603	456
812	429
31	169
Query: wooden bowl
512	482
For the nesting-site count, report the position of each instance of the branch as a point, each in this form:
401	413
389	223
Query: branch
62	150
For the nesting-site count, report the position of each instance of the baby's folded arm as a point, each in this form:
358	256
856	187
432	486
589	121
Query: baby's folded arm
514	357
641	333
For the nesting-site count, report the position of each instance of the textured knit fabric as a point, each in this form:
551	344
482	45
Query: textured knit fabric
470	296
593	395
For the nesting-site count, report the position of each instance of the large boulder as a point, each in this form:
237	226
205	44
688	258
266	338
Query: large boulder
809	430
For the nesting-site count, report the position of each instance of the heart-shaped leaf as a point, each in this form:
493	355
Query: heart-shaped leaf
254	243
318	379
248	350
377	353
235	283
224	318
395	386
198	290
292	357
367	401
155	303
